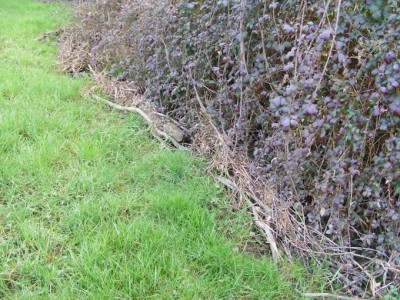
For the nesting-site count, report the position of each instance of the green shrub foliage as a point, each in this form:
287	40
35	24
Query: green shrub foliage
310	89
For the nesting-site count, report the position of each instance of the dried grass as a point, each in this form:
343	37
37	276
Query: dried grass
73	58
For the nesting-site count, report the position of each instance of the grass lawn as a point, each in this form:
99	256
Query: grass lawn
92	207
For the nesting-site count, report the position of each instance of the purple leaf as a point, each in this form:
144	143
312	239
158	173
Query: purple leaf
341	58
285	122
288	28
312	109
273	5
325	35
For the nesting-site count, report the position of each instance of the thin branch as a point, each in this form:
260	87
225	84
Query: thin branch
145	116
331	48
328	295
256	218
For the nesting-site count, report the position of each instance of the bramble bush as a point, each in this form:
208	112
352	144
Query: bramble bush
309	89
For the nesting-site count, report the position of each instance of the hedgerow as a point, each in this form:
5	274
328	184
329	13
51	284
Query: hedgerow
308	89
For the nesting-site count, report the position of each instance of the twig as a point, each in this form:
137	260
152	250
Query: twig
268	232
241	31
137	110
52	33
257	221
203	108
173	121
331	48
167	55
323	295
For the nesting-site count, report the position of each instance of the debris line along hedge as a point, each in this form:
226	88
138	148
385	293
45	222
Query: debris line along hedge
308	90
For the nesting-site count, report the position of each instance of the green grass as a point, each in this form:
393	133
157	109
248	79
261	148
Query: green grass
92	207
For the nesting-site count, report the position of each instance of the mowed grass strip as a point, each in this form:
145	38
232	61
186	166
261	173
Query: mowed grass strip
91	207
